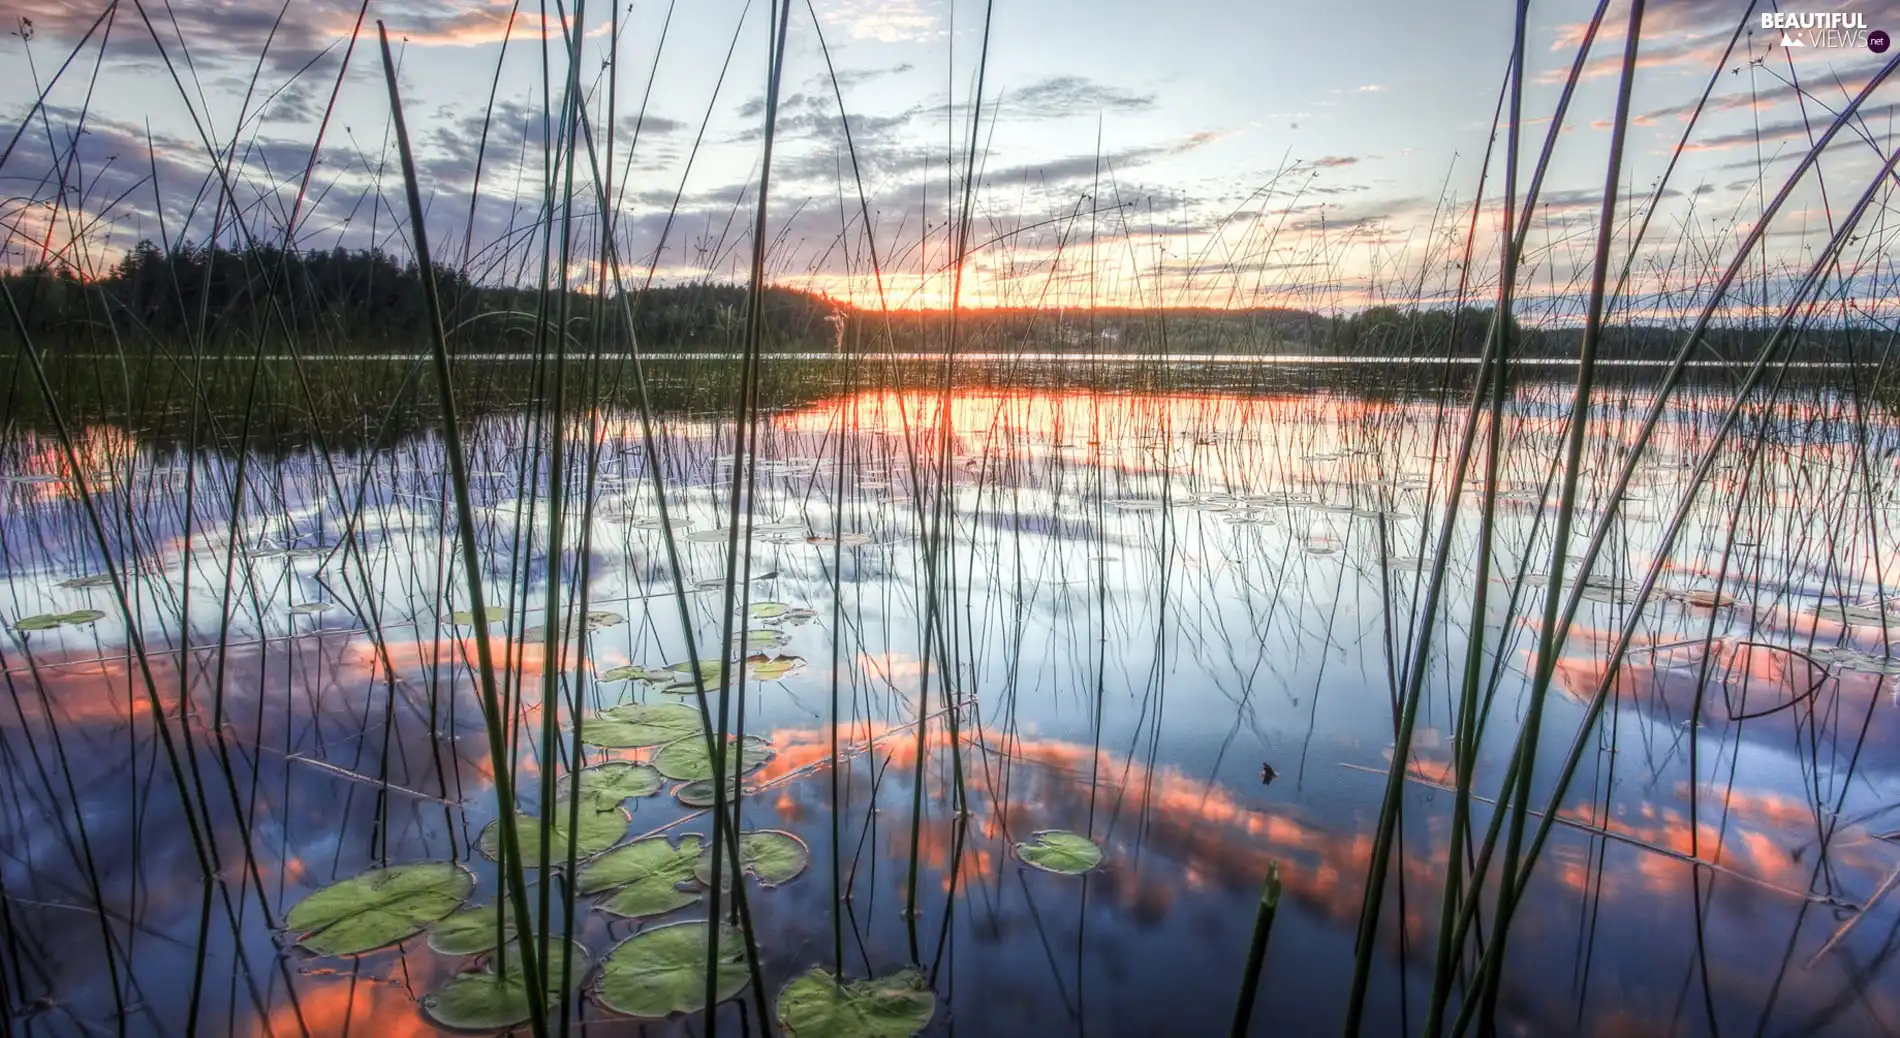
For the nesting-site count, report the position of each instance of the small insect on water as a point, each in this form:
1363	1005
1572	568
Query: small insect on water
1267	774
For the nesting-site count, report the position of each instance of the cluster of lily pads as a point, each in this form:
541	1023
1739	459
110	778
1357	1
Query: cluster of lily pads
655	973
660	970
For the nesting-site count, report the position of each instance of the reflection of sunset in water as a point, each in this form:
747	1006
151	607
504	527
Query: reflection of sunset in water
1129	673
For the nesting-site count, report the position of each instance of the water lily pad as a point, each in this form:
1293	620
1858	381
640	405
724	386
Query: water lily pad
816	1005
633	674
772	668
597	831
1849	658
758	639
466	617
793	616
709	670
716	535
687	759
767	610
699	792
311	608
601	620
662	970
604	786
768	855
378	907
490	1001
1866	615
90	580
48	621
634	725
471	930
1059	850
645	876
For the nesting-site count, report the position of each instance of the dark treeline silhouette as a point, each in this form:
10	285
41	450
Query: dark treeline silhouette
224	302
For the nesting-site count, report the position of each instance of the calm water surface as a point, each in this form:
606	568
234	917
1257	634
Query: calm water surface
1143	599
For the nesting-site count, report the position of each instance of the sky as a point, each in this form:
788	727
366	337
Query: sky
1196	153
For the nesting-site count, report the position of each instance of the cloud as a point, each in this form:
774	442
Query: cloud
1790	129
1062	96
883	21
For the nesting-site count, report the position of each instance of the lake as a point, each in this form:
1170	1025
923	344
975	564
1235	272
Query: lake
1177	619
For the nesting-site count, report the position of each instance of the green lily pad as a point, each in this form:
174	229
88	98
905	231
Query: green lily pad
767	610
466	617
772	668
634	725
1059	850
661	971
710	673
699	792
768	855
48	621
1863	615
687	759
601	620
1850	658
604	786
470	931
794	616
91	580
598	830
645	876
633	674
311	608
378	907
816	1004
761	638
488	1001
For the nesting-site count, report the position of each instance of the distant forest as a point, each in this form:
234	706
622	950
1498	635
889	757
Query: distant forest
222	301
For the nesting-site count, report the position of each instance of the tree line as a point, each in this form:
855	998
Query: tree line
225	301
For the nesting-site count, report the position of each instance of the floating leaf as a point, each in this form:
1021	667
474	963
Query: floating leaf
688	759
48	621
770	856
598	830
633	674
598	621
717	534
1850	658
795	615
761	638
378	907
699	792
91	580
645	876
816	1005
634	725
1704	599
471	930
662	970
1866	615
767	610
466	617
710	673
311	608
604	786
767	668
1058	850
487	1001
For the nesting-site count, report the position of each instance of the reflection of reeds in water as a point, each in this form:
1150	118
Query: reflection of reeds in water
1713	563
